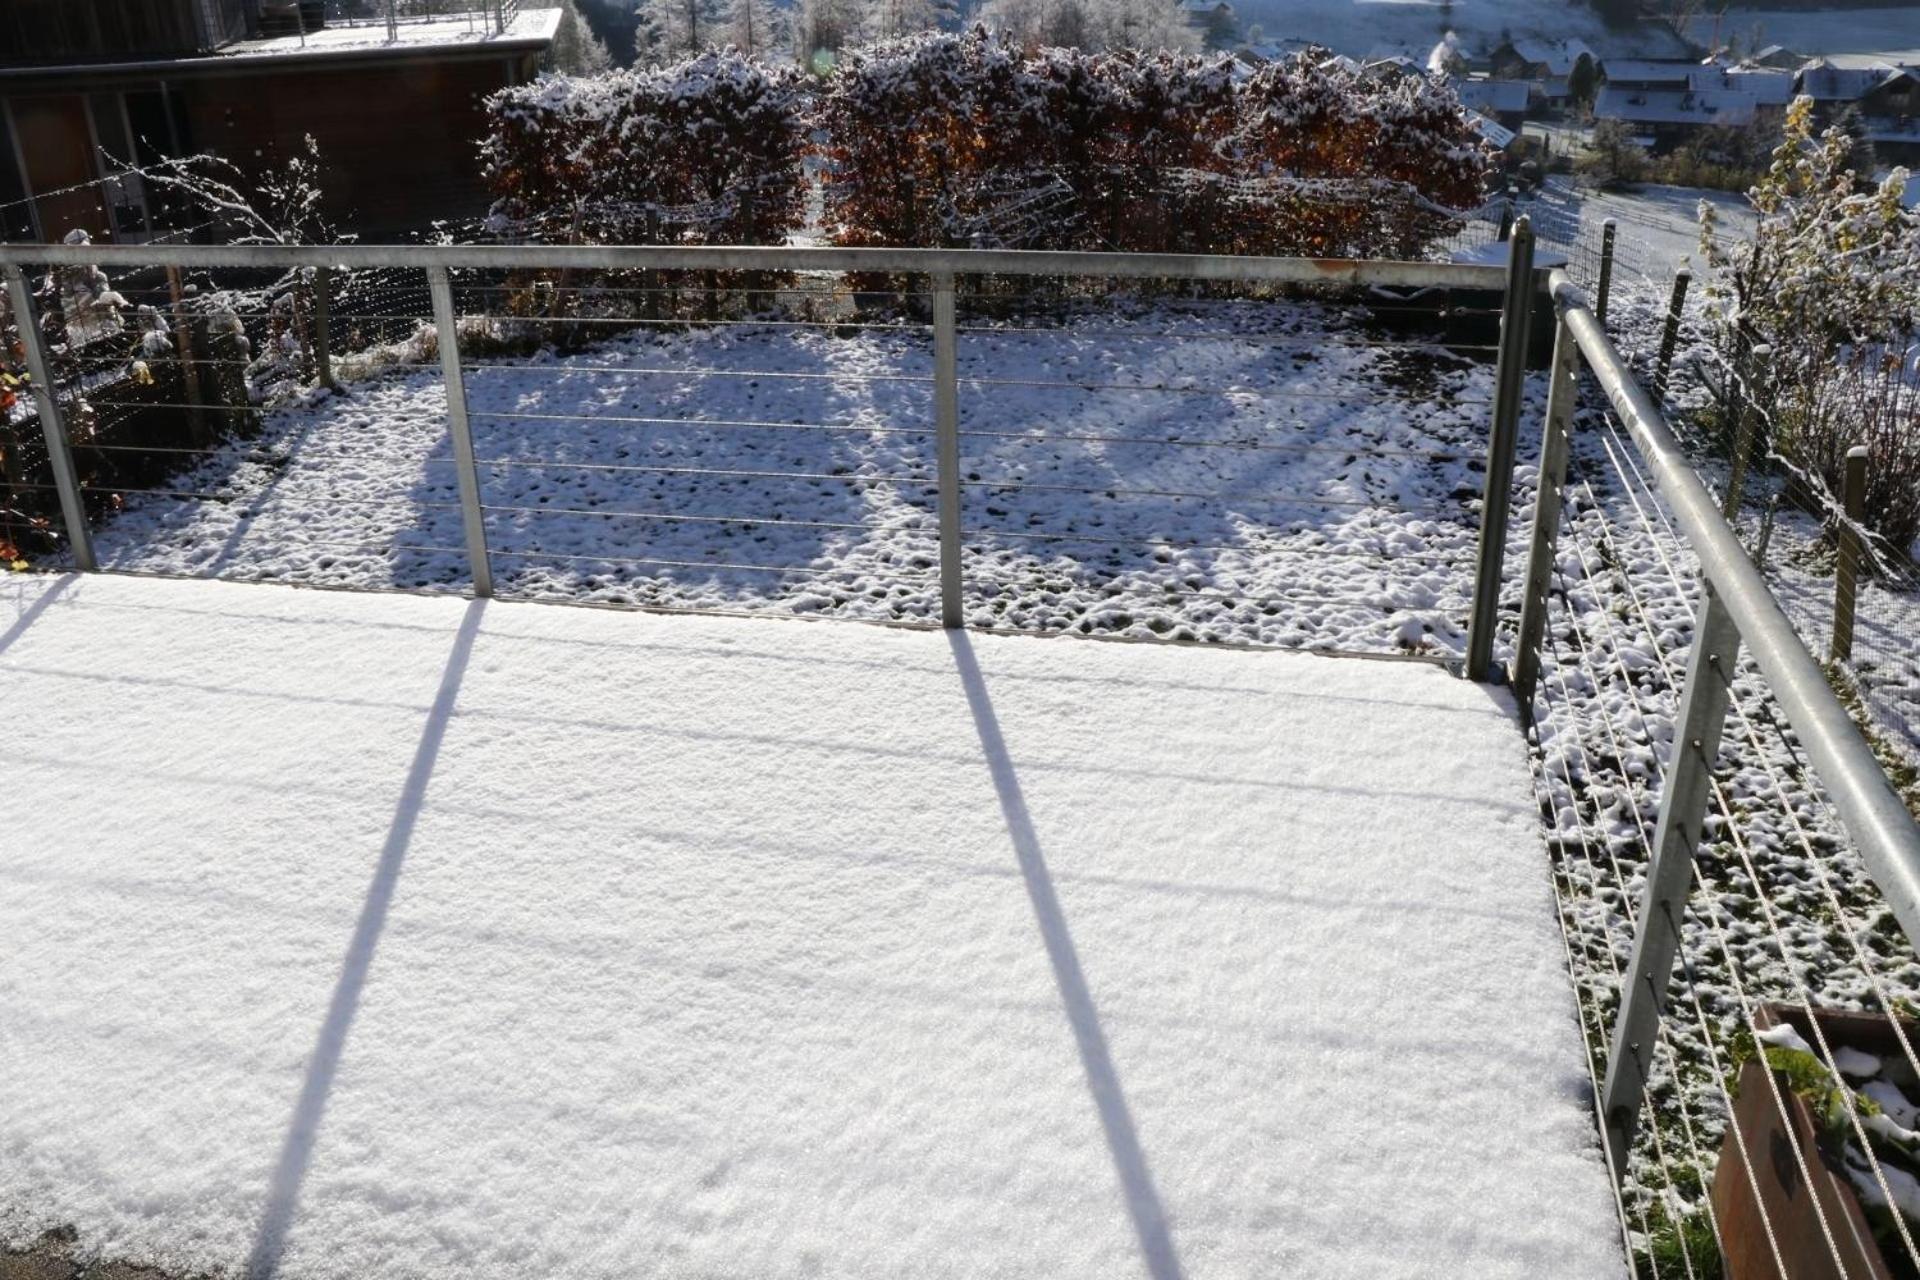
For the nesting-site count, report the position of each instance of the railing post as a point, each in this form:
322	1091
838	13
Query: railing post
1509	385
45	397
1846	578
1670	336
1683	811
1766	532
946	421
1746	411
323	324
183	348
1554	448
464	468
1608	230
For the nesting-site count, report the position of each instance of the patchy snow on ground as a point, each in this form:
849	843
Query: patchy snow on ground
354	935
1233	471
1656	230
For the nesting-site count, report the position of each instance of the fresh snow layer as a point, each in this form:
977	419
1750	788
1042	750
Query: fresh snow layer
353	935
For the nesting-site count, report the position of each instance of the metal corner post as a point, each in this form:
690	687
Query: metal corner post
448	328
59	451
1683	811
946	418
1846	567
1608	231
323	325
1555	445
1509	387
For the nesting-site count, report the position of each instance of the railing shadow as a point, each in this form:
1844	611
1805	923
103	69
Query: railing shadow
296	1152
31	614
1096	1058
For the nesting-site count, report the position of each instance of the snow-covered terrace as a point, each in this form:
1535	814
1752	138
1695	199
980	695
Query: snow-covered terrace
527	28
356	935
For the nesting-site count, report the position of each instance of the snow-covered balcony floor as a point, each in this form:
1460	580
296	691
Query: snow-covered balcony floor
348	935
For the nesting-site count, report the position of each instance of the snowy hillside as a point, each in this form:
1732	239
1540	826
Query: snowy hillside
1892	33
1361	27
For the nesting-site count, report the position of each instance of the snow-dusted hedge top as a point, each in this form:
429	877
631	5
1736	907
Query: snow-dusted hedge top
963	139
708	151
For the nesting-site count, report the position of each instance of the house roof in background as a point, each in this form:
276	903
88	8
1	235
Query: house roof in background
1641	71
1492	130
1493	95
1558	56
1824	82
1769	88
1674	106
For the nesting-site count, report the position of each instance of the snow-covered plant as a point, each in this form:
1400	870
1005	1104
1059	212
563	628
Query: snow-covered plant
89	305
962	139
1352	166
1812	320
707	151
671	30
576	50
759	29
1095	25
1447	57
279	204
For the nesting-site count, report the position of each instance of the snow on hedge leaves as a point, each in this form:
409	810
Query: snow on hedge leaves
964	139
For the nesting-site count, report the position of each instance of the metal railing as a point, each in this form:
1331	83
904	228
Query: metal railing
1692	985
496	15
943	271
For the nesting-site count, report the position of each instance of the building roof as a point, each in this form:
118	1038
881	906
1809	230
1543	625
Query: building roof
1769	88
1824	82
1492	95
1492	130
1557	56
446	33
1674	106
530	30
1778	57
1638	71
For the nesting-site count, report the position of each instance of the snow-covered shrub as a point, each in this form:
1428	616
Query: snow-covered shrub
1813	318
89	306
922	136
709	151
963	140
1344	165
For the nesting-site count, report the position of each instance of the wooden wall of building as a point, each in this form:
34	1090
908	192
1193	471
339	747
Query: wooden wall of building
399	141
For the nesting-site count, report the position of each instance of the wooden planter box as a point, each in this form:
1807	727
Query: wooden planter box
1787	1198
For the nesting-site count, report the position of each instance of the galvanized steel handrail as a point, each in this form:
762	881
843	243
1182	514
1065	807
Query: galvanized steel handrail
938	268
927	262
1737	607
1874	814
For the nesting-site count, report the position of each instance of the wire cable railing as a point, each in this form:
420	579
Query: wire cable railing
652	444
1743	902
